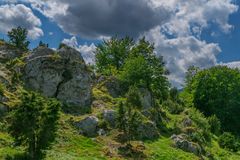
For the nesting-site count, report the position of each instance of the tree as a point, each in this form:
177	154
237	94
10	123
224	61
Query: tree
128	114
18	38
135	72
145	69
41	44
112	54
217	91
33	121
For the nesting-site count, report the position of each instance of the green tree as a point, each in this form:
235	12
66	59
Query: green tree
217	91
135	72
112	54
33	121
18	38
145	69
129	116
41	44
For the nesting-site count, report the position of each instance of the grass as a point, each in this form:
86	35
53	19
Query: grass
70	145
222	154
162	150
6	146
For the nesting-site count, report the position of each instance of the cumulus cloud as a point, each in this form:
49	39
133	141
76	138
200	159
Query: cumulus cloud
96	18
181	52
12	16
179	40
87	51
174	26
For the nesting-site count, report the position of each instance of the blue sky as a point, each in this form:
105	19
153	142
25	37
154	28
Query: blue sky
203	33
229	43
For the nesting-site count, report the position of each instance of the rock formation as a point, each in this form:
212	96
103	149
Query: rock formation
62	74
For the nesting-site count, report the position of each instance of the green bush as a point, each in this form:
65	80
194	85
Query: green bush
173	107
202	134
229	141
215	124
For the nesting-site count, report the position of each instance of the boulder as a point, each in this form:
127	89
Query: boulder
146	98
112	85
187	122
110	116
147	130
181	142
88	126
61	74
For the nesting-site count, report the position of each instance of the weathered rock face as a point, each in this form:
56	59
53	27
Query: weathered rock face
110	116
88	126
112	84
61	74
181	142
7	52
146	98
5	80
147	130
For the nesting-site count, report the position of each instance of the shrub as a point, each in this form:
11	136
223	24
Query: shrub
228	141
173	107
215	124
33	122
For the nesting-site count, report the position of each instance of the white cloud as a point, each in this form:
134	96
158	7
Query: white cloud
87	51
234	64
175	26
12	16
181	52
178	40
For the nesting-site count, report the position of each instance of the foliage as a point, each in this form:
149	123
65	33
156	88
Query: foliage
173	107
135	72
2	88
15	66
112	54
134	63
229	141
201	133
215	124
41	44
18	38
129	116
33	122
216	91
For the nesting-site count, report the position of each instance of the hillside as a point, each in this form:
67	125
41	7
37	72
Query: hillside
159	125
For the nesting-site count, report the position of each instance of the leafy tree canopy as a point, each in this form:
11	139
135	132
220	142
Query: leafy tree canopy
18	38
217	91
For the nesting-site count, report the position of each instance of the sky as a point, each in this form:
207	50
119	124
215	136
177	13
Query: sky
202	33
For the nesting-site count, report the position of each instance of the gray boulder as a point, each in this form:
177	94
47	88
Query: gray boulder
181	142
112	84
187	122
62	74
110	116
146	98
88	126
147	130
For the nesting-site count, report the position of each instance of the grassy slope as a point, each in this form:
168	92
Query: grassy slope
71	146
